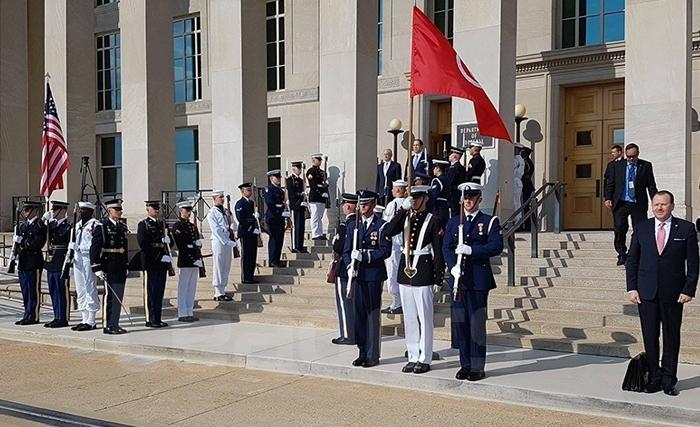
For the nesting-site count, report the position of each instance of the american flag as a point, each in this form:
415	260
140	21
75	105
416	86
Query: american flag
54	153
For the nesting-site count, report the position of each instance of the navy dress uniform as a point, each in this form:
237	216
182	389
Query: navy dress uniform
440	192
469	259
88	238
477	164
318	196
30	240
248	231
189	261
275	218
373	248
59	231
295	193
456	174
114	264
155	262
344	304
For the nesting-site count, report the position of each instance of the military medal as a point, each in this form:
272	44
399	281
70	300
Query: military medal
481	228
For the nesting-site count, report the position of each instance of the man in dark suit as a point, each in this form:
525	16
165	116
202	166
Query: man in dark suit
388	171
420	162
626	194
615	156
662	275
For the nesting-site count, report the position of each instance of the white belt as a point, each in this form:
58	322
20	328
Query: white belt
428	250
441	199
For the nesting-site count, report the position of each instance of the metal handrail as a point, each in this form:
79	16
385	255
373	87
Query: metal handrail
529	211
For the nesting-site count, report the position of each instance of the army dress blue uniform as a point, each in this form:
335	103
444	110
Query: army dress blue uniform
248	232
345	305
275	219
374	248
456	174
59	288
295	193
30	262
440	193
113	263
482	233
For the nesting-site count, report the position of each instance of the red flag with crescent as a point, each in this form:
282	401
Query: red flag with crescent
436	68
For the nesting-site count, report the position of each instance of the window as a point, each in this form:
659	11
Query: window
443	17
101	2
108	72
275	44
274	145
186	159
590	22
380	36
187	59
111	165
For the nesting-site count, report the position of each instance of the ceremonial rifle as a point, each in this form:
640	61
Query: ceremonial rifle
171	269
325	182
460	232
231	234
257	213
355	244
202	270
16	248
70	256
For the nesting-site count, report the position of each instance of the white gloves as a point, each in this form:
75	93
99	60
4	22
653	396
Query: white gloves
352	272
166	258
101	275
231	243
356	255
256	231
406	204
286	214
256	215
199	263
72	246
437	288
456	272
304	204
198	242
47	216
166	239
324	195
463	249
17	239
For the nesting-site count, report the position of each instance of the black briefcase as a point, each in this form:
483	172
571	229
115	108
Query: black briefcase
637	374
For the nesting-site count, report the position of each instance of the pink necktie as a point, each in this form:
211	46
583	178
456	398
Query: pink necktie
661	238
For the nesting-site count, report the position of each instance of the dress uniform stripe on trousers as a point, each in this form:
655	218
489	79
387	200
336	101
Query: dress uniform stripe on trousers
67	301
339	289
145	296
37	288
104	305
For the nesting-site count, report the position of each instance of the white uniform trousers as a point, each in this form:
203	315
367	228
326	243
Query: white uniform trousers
418	322
222	255
186	289
85	288
517	195
392	269
317	210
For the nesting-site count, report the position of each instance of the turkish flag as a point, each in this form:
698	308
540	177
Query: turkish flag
437	69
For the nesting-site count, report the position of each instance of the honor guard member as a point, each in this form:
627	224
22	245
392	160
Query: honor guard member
114	264
318	195
295	196
456	174
152	237
344	304
275	217
86	265
223	241
477	164
379	211
421	178
30	240
398	192
418	273
189	261
518	171
58	239
366	264
440	191
248	232
481	239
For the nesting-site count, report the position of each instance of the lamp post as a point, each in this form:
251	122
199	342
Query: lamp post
520	112
395	129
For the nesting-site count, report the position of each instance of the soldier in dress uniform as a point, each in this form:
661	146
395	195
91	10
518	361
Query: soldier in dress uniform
318	195
456	174
223	241
398	192
189	261
440	192
421	178
114	264
469	258
297	204
153	237
248	232
345	306
366	264
423	273
477	164
275	217
58	239
86	265
30	240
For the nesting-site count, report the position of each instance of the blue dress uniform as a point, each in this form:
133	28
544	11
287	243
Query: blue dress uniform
113	262
456	174
155	263
248	232
59	288
275	219
30	263
374	247
440	192
482	233
345	305
295	193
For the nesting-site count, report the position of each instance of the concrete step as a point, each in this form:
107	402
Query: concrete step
604	236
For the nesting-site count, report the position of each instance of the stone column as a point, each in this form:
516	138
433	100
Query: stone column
148	106
658	91
485	36
239	93
348	92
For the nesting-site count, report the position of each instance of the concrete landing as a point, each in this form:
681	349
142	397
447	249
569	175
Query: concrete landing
564	381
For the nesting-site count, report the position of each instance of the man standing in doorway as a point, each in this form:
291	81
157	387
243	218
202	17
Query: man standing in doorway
420	160
388	171
318	195
477	164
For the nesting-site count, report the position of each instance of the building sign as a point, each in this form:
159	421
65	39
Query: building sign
468	133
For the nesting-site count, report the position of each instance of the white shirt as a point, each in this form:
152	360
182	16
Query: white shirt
368	221
472	214
386	168
218	223
518	168
667	228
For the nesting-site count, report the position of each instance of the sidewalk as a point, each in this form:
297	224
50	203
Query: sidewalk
564	381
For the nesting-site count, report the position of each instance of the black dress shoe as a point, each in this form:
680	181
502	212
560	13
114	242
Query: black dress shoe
370	363
85	327
303	251
121	330
671	391
343	341
50	324
358	362
195	319
386	310
397	310
18	322
25	322
110	331
251	281
462	374
421	368
160	324
151	325
293	251
476	375
186	319
408	368
75	327
652	388
58	324
223	298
